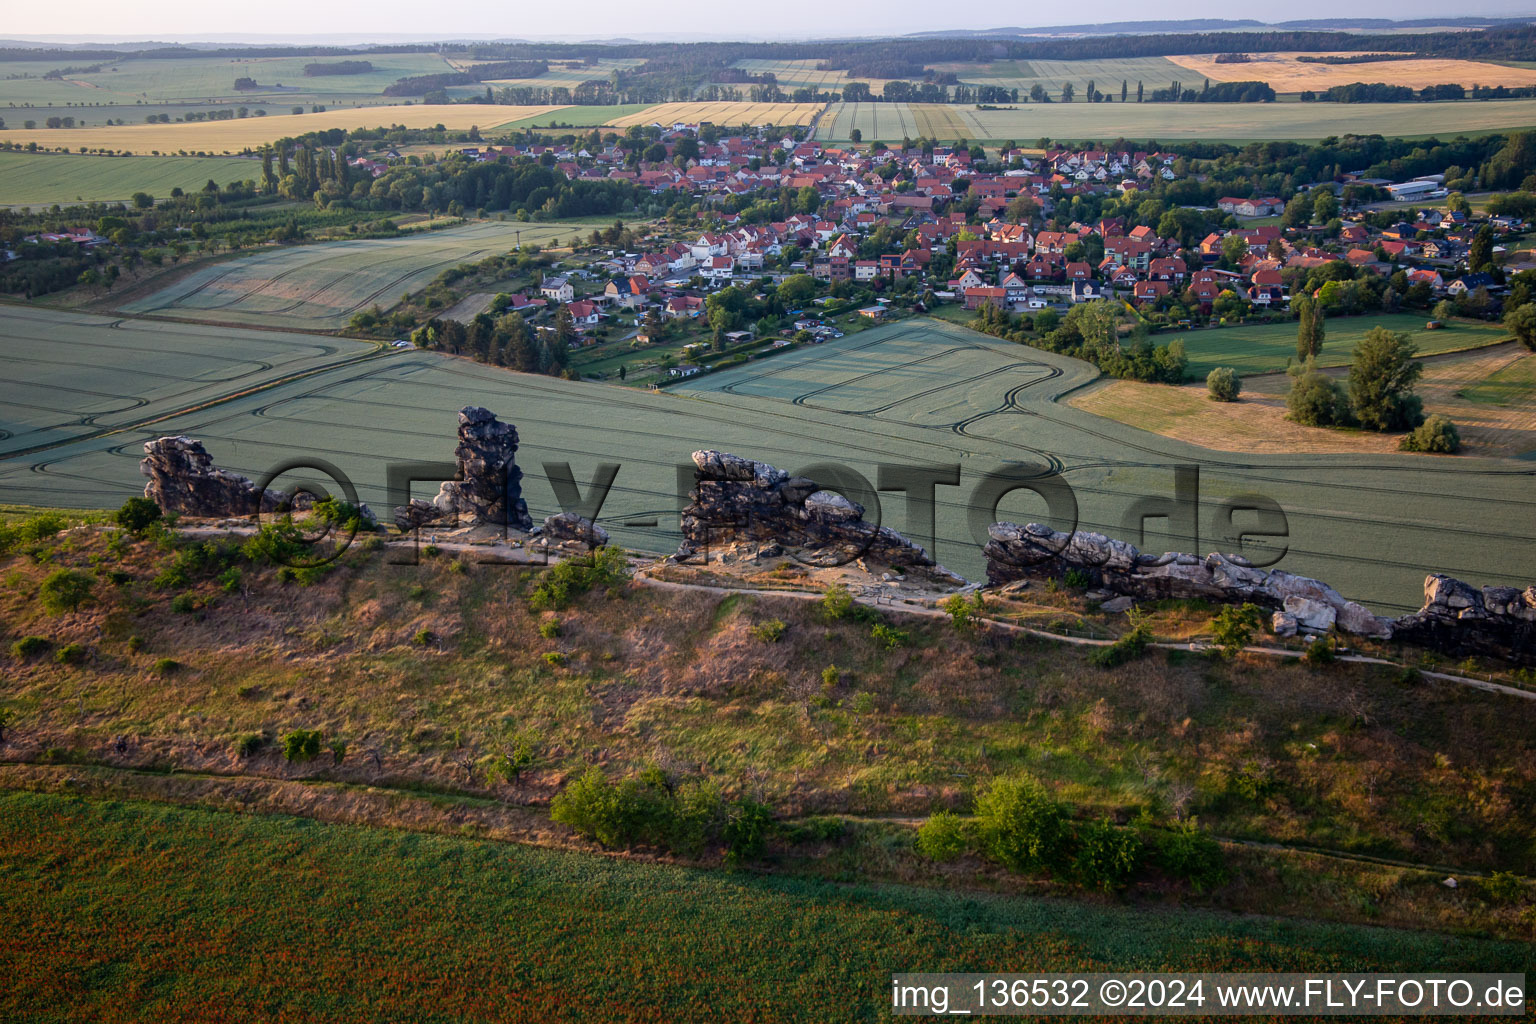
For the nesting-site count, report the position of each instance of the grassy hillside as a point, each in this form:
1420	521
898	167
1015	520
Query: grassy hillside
129	911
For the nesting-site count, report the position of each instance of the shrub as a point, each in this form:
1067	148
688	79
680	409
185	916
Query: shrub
836	603
1223	384
549	630
1317	400
830	677
301	745
889	635
554	658
1188	852
770	632
1022	827
166	666
564	582
1505	887
1077	579
746	831
65	590
184	604
1128	648
1234	627
137	515
70	654
338	751
964	613
249	743
35	528
1436	434
1107	856
942	837
28	646
135	644
1320	652
423	637
230	578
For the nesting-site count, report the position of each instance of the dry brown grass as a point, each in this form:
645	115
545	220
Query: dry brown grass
1285	73
1256	423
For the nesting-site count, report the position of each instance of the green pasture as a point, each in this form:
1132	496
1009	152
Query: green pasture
917	392
568	74
1515	384
1265	348
207	79
319	287
41	179
135	911
1025	122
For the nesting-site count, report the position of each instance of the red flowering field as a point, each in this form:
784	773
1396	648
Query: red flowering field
141	912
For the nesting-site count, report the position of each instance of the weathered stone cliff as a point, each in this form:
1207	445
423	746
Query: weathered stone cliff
183	479
1462	620
487	487
1300	603
740	500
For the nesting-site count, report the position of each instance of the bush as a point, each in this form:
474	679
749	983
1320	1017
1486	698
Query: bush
549	630
65	590
1505	887
28	646
564	582
1223	384
1128	648
1023	827
70	654
1320	652
836	603
166	666
554	658
35	528
249	743
1436	434
889	635
184	604
942	837
423	637
1077	579
1234	627
1107	856
1317	400
770	632
137	515
1188	852
747	828
964	613
301	745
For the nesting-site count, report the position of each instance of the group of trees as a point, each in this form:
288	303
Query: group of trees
1381	92
1090	331
504	341
1379	394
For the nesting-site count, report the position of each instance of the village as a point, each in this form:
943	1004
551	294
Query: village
880	232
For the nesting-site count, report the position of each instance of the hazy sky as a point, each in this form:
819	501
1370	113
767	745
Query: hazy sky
599	19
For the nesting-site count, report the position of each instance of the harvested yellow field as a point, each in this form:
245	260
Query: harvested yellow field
218	137
722	113
1285	73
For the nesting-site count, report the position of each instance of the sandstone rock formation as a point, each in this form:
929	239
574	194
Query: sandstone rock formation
1014	552
740	500
571	529
1461	620
183	479
488	485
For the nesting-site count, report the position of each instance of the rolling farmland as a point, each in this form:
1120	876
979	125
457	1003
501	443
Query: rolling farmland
235	136
917	392
720	113
319	287
1170	121
569	74
1285	73
38	179
1051	75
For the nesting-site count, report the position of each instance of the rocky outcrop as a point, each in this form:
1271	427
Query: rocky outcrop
183	479
1462	620
1301	604
568	528
737	500
487	488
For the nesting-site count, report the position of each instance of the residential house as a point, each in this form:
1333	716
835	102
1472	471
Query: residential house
557	289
